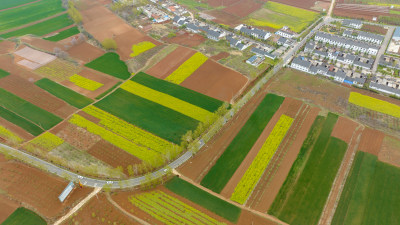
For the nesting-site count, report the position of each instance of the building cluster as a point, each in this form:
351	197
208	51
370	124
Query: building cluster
356	24
364	36
171	6
253	32
158	16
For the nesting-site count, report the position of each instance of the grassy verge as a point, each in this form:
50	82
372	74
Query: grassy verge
71	97
204	199
230	160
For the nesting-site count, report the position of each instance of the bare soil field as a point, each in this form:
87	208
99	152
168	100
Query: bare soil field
289	106
374	29
7	63
271	182
85	52
7	47
198	166
107	81
360	11
16	129
216	3
99	211
37	190
7	207
44	45
243	8
35	95
187	39
222	17
305	4
219	56
121	198
126	40
371	141
216	81
311	89
112	155
76	136
170	63
344	129
248	217
390	151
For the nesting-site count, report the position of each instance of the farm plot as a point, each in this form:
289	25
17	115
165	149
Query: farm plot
177	91
37	189
25	109
141	47
110	64
187	39
243	8
230	160
7	207
58	70
42	28
390	151
374	104
360	11
76	136
9	135
85	52
29	13
187	68
46	142
71	97
169	209
371	141
85	83
150	116
20	122
3	73
6	4
370	195
24	216
63	34
276	15
216	81
170	63
35	56
249	180
35	95
204	199
305	4
297	205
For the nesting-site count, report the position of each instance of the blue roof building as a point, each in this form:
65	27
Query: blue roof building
396	34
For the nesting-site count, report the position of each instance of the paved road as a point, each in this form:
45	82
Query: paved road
384	45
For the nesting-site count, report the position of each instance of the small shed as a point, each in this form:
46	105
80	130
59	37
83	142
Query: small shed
67	191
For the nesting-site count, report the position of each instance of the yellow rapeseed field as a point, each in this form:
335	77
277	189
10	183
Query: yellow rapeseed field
374	104
47	141
187	68
85	83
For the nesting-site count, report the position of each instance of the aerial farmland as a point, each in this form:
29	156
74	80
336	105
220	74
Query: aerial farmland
199	112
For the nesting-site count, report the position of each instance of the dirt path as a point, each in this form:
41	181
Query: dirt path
124	211
77	207
20	5
33	23
266	216
340	180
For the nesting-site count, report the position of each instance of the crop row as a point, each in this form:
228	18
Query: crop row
187	68
253	174
58	70
47	141
170	210
374	104
141	47
85	83
138	151
129	131
168	101
8	135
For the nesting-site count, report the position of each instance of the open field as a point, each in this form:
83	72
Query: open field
370	195
374	104
29	13
6	4
361	11
187	39
77	100
390	151
276	15
85	52
305	4
8	206
187	68
371	141
233	156
24	216
20	122
111	64
297	205
63	34
204	199
243	8
42	28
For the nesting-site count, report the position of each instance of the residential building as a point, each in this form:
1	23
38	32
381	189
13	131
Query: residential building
285	34
262	52
254	32
356	24
192	28
310	46
396	34
235	43
255	60
370	37
302	64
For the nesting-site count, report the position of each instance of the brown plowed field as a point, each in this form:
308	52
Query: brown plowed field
37	190
121	198
221	55
374	29
85	52
390	151
76	136
99	211
216	3
126	40
7	207
271	182
198	166
289	105
16	129
108	82
187	39
305	4
344	129
360	11
243	8
6	47
371	141
112	155
225	18
47	46
170	63
216	81
35	95
7	64
247	218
